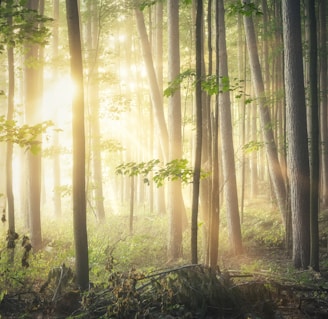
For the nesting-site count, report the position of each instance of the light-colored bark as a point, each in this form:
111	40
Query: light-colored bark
93	99
175	201
32	116
276	175
56	159
154	89
228	159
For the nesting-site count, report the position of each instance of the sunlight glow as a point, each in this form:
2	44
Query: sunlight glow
57	100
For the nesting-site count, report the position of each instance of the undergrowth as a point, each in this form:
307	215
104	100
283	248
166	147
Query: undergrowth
129	275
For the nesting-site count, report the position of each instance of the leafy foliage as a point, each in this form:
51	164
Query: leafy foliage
211	84
174	85
214	85
176	169
28	26
25	135
253	146
245	8
146	3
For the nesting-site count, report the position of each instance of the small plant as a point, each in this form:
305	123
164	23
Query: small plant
61	277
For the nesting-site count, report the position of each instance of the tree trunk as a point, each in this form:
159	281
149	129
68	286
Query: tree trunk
94	114
56	158
313	133
158	57
176	206
214	217
298	159
323	103
154	89
265	118
228	159
198	147
9	154
79	196
32	114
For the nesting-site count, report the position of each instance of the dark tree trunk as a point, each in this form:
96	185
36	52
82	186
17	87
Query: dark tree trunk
79	196
9	154
297	139
314	133
198	148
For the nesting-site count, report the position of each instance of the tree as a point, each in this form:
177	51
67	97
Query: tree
297	159
32	114
276	175
154	88
313	133
214	217
198	146
56	159
228	160
176	206
79	196
323	102
9	154
93	97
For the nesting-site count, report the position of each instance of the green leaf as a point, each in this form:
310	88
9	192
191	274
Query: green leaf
174	85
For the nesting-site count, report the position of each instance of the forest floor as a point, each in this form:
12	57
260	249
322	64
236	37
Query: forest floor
264	287
259	284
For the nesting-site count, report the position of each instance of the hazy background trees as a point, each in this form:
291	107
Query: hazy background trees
145	82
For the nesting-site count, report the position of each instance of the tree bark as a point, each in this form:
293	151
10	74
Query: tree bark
154	89
198	147
176	206
93	98
228	159
313	133
298	155
56	159
265	118
79	196
32	114
323	102
9	154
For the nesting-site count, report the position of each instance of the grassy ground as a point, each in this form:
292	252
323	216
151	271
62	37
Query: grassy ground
131	279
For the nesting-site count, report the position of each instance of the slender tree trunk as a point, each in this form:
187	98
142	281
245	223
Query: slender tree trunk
79	196
56	159
154	89
205	184
176	206
214	218
228	159
298	159
9	154
32	114
323	103
94	114
198	148
314	133
242	111
158	53
265	118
